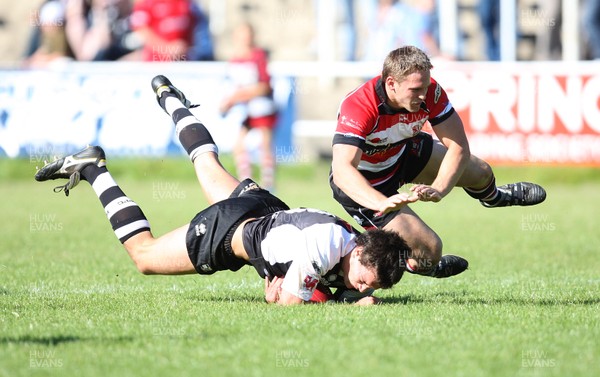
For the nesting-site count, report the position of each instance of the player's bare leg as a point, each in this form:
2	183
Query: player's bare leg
215	181
241	156
267	160
426	257
164	255
425	244
479	182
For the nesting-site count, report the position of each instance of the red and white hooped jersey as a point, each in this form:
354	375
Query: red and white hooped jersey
367	122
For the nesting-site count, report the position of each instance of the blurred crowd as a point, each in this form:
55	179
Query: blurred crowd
109	30
177	30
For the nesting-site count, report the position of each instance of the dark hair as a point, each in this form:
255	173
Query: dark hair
385	252
403	61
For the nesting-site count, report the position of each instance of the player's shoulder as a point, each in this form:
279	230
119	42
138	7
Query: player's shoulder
365	91
435	93
359	108
259	51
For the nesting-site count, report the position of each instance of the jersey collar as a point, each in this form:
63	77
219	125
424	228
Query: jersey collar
385	109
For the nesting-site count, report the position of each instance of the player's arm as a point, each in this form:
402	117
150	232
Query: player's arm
275	295
286	298
347	177
245	94
451	133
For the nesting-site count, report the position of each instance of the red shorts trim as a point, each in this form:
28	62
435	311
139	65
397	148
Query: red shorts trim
267	121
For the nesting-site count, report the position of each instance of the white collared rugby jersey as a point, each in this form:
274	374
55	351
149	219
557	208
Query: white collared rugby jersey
304	245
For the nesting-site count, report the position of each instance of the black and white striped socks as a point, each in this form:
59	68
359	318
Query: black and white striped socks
489	194
192	134
125	216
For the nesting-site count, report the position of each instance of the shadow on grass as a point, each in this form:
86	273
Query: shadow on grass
56	340
225	299
466	298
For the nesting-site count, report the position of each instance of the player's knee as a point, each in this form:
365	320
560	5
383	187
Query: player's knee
144	267
427	254
485	170
137	254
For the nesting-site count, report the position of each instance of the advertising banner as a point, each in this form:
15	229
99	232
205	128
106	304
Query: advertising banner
519	113
542	113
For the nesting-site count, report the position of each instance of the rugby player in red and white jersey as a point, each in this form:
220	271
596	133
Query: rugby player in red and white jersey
297	251
379	146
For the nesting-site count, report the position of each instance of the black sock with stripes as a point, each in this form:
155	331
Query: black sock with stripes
488	194
125	216
193	135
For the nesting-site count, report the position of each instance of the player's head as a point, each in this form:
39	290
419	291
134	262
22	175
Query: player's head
405	60
406	77
243	35
377	260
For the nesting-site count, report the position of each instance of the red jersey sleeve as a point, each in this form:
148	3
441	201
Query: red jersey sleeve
357	115
438	103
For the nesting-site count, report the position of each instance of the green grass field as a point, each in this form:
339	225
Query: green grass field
73	304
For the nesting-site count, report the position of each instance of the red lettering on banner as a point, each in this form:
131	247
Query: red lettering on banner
540	113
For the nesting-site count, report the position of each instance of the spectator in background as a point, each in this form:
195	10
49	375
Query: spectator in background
248	72
393	24
548	28
52	47
489	14
348	29
591	24
166	28
202	48
427	37
99	29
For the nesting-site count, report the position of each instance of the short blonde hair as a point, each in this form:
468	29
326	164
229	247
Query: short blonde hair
403	61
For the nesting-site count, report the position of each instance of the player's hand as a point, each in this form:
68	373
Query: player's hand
426	193
273	289
226	105
395	202
368	300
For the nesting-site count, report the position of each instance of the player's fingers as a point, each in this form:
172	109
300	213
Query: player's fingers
413	198
279	282
419	188
404	198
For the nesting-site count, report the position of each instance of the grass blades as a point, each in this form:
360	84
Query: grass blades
72	303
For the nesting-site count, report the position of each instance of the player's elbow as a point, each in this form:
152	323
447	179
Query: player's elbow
340	173
337	178
461	150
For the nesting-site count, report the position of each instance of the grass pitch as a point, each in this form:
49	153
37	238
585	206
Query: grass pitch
72	303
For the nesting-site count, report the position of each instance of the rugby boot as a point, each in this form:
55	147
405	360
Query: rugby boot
449	265
70	167
519	194
161	84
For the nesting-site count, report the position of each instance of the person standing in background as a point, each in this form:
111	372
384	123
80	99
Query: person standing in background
249	74
202	48
489	15
97	29
392	24
591	21
52	47
166	28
